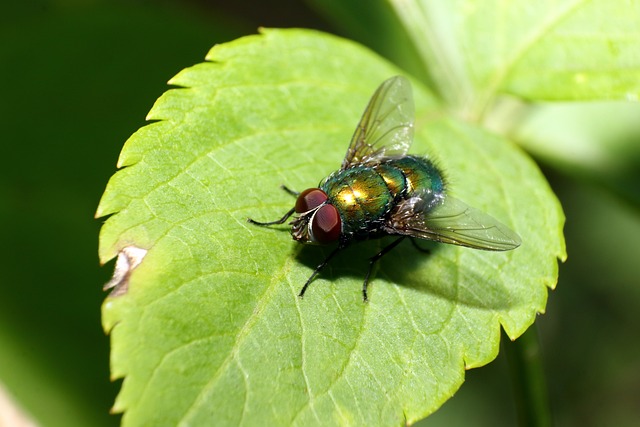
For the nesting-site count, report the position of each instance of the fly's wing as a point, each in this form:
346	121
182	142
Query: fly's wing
386	127
448	220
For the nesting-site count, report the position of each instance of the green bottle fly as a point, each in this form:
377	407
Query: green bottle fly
365	196
380	190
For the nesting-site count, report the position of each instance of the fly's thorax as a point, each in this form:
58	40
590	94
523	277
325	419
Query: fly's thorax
360	195
419	173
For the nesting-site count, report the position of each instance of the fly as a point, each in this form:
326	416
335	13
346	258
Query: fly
380	190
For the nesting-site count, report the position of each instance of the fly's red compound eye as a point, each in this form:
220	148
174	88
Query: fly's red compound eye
326	225
310	199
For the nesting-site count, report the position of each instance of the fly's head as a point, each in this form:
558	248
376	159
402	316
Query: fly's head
318	221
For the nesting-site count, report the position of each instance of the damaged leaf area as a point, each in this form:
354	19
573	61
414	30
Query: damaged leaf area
128	259
211	328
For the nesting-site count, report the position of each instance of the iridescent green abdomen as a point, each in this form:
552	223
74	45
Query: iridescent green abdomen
365	195
419	173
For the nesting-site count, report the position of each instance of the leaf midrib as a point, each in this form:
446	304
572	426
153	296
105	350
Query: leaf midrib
485	98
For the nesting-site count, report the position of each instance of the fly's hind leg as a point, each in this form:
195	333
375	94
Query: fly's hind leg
372	262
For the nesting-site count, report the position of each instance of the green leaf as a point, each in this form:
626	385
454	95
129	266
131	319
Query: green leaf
485	55
375	26
596	141
564	50
211	328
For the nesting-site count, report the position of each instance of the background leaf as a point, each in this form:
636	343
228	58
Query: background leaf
596	141
563	50
212	311
490	59
377	27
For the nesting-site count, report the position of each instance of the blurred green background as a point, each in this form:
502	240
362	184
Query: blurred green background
79	77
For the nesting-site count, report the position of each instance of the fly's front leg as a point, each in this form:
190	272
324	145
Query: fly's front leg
278	221
290	191
284	218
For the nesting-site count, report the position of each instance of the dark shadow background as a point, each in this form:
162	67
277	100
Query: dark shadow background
78	78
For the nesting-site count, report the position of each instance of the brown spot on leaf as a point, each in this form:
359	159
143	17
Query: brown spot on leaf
128	259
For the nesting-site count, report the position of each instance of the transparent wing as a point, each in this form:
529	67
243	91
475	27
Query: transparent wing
386	126
448	220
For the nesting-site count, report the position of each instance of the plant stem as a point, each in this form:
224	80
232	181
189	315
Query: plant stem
528	380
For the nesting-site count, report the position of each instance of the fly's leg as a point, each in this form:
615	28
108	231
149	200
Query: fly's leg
372	262
320	266
417	246
278	221
284	218
290	191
